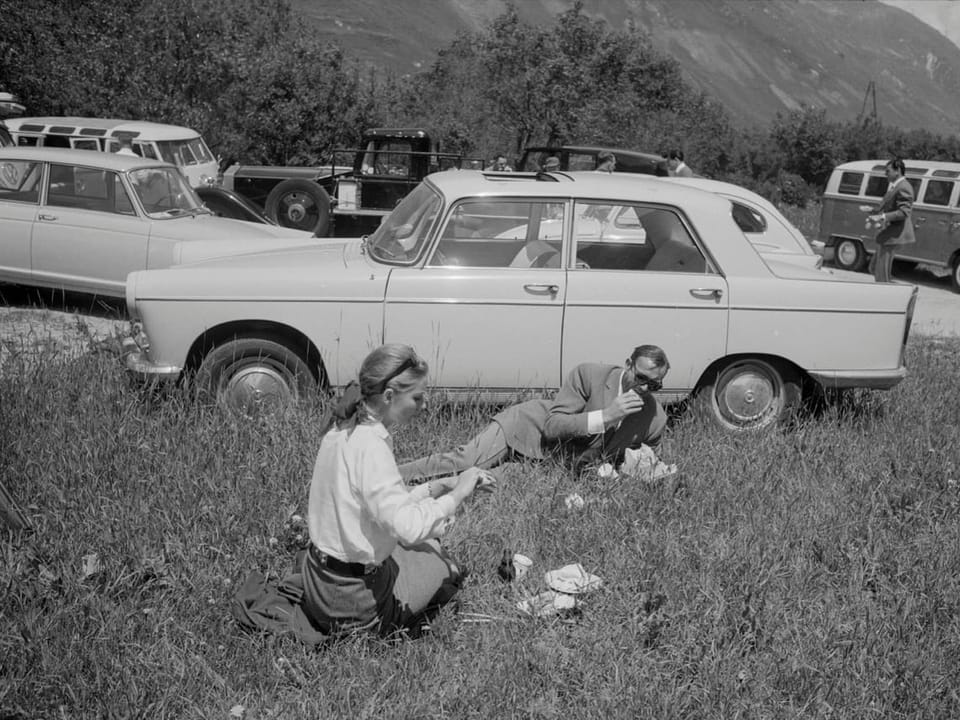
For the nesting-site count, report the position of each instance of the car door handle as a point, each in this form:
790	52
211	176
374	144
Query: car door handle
707	293
921	220
47	218
542	288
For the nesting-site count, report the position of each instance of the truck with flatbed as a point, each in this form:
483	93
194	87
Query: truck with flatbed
349	196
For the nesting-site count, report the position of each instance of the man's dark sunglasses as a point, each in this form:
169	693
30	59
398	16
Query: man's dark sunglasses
647	384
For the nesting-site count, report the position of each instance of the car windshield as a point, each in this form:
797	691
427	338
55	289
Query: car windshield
164	192
191	151
404	232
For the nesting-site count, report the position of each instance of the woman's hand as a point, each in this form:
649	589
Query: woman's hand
471	480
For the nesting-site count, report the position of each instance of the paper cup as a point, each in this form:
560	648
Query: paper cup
522	565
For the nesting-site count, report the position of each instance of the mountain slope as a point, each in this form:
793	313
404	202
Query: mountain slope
756	57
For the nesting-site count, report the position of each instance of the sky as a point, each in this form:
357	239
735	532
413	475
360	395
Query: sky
941	15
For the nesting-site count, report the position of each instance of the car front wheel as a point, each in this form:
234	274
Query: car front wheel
253	376
955	273
849	254
752	394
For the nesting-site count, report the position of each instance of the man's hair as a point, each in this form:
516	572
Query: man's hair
605	156
675	155
653	353
897	164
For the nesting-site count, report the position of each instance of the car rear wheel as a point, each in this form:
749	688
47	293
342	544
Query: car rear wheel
300	204
955	273
254	376
849	254
752	394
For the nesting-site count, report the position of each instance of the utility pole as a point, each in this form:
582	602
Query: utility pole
870	94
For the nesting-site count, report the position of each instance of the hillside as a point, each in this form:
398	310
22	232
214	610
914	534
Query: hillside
757	57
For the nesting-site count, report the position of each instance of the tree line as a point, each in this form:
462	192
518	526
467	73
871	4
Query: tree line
251	78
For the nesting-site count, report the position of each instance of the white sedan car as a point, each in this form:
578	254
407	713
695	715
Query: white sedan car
82	220
505	283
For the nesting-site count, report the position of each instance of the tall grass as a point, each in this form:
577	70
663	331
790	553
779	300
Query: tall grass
809	572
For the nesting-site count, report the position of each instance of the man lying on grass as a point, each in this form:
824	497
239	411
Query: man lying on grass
600	412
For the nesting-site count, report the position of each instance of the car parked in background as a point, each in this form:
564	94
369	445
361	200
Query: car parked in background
82	221
855	190
180	146
506	281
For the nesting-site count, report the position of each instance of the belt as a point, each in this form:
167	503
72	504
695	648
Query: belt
339	566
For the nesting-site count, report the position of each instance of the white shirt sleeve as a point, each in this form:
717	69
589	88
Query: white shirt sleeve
595	422
401	512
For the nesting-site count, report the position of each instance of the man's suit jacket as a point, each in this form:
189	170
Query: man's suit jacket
535	427
896	206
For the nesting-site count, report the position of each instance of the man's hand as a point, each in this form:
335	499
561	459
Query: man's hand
624	404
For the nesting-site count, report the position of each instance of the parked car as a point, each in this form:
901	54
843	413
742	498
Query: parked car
506	282
855	189
82	221
180	146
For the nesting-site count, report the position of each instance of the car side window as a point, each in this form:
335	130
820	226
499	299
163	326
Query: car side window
87	189
20	181
748	219
633	237
502	234
938	192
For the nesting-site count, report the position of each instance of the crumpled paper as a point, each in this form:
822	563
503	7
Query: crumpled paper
641	463
566	585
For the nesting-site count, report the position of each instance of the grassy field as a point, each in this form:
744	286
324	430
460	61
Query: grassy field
809	572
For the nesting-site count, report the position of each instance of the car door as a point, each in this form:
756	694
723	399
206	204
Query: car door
20	182
640	276
486	307
88	236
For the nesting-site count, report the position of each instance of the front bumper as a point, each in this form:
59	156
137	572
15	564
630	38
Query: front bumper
139	363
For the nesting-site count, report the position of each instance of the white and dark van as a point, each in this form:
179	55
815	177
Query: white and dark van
856	185
180	146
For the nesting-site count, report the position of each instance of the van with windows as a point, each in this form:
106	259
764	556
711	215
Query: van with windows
855	190
180	146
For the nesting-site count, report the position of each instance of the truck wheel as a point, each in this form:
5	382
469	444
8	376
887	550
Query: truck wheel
752	394
300	204
254	376
849	254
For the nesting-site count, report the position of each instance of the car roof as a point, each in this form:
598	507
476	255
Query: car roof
721	187
581	184
914	167
87	158
100	127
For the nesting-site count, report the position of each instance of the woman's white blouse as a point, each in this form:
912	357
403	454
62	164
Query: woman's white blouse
359	506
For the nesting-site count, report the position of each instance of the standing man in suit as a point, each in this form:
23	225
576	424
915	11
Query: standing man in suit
599	413
893	218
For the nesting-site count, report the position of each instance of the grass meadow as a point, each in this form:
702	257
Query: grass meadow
812	571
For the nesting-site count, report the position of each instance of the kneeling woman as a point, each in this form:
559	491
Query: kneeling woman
374	561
